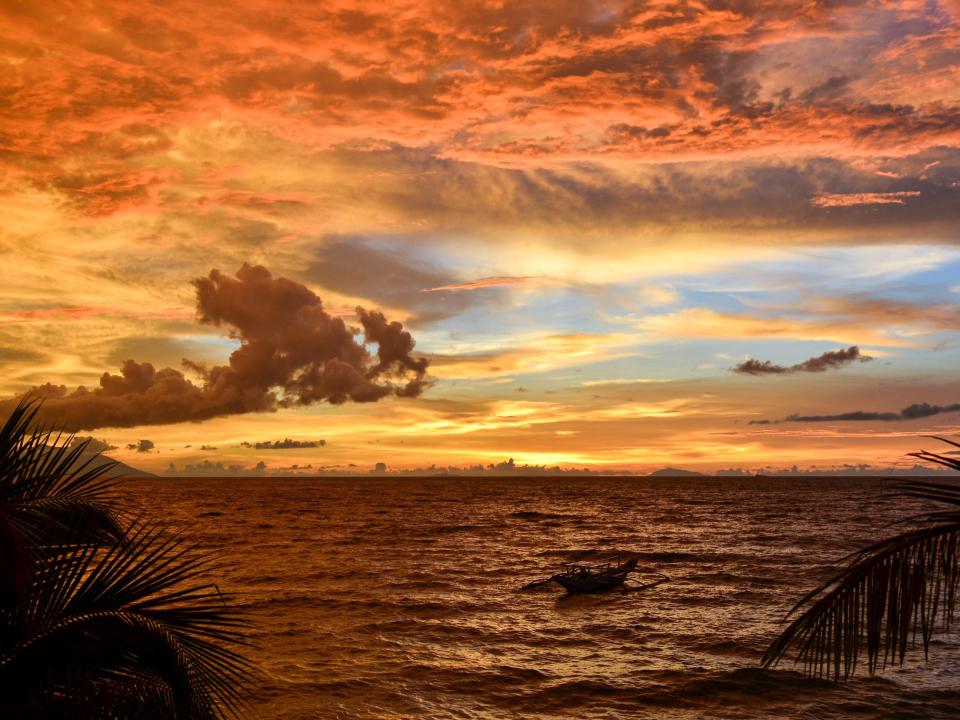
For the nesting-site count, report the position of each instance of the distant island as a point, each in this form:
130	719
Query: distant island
510	468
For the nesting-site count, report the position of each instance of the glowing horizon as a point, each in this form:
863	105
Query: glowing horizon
588	215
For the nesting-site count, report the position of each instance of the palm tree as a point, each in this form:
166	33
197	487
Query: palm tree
888	595
101	616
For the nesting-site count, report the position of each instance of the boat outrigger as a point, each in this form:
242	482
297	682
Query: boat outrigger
595	577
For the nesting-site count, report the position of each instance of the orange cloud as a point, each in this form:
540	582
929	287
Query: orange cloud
505	82
535	354
704	323
486	283
374	151
848	199
81	312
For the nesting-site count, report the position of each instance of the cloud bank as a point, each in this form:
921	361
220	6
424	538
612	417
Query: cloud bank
911	412
292	352
501	81
285	444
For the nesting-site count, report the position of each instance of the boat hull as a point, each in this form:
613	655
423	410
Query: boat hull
589	585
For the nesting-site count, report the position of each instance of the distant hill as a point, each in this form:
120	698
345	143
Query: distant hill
675	472
118	470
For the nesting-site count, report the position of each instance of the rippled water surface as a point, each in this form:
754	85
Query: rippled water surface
398	598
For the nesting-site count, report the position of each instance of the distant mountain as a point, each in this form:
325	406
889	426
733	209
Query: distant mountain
118	470
675	472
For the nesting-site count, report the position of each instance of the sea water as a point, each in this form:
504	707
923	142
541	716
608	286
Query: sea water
400	597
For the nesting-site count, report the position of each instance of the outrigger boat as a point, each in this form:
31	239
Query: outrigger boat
595	577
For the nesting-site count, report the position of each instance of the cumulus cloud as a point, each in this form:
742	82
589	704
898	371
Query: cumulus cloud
141	446
831	360
215	469
292	352
394	348
911	412
93	444
285	444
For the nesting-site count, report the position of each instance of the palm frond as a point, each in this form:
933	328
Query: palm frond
132	609
951	462
99	616
890	594
46	485
890	597
49	497
935	491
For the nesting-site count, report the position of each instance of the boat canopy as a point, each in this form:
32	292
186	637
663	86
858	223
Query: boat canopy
588	567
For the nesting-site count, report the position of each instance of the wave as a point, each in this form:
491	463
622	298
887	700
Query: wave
404	602
534	515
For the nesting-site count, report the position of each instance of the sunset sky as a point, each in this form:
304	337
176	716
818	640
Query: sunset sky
617	232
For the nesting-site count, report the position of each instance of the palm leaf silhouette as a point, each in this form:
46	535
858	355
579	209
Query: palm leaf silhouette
891	596
102	617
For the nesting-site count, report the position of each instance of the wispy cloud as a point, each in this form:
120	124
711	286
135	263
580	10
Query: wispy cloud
707	323
486	283
851	199
622	381
532	354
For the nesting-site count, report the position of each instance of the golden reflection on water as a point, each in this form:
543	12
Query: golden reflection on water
399	598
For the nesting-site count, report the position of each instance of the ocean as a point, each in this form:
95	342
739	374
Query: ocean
400	597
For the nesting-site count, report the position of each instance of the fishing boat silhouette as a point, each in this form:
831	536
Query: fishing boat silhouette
596	577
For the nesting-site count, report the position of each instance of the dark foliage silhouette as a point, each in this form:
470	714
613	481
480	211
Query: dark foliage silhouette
891	597
101	616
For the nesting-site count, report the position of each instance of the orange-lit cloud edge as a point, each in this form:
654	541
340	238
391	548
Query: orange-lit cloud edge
549	195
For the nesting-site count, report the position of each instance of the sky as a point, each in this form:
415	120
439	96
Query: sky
615	235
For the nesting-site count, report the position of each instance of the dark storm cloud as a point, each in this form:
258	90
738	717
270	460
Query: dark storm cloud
831	360
911	412
292	352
